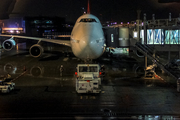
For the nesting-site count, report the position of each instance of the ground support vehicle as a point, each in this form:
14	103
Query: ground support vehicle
3	78
88	79
6	87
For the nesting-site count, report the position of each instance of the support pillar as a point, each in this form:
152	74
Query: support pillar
145	64
145	29
138	22
178	85
138	31
154	53
179	52
169	56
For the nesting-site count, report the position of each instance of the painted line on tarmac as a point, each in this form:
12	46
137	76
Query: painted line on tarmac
19	75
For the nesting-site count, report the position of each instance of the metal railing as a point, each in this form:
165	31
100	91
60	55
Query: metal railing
149	52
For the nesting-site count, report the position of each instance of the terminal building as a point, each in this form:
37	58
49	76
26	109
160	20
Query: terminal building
15	25
156	33
152	32
39	26
119	37
156	40
159	32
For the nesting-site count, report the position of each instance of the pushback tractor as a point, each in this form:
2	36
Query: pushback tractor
88	78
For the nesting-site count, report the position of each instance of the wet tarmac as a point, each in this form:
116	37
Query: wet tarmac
41	92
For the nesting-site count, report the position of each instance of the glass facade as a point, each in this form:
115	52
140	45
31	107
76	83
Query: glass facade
161	36
172	36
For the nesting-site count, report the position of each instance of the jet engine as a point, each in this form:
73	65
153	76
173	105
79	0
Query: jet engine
8	44
36	50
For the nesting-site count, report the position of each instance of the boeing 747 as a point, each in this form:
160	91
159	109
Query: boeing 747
87	39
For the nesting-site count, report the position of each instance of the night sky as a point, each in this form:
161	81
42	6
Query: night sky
106	10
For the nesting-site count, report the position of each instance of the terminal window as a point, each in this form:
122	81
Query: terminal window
135	34
112	37
160	36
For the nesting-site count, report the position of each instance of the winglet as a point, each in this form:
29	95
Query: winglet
88	8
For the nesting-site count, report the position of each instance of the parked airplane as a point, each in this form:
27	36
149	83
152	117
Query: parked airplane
87	39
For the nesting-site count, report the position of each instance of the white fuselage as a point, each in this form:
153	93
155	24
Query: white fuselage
87	37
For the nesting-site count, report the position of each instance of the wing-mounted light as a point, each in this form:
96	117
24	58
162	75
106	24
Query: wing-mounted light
74	41
100	40
9	44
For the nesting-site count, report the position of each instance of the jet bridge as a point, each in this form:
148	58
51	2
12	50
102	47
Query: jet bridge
117	37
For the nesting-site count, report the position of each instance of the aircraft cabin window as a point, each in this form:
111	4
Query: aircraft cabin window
88	20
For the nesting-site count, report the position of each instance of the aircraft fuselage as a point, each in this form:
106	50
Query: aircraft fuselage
87	37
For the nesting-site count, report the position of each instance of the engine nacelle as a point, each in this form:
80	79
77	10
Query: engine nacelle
8	44
36	50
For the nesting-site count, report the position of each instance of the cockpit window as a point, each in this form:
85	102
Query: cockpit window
88	20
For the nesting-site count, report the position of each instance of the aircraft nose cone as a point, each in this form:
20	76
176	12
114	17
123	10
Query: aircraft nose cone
89	47
86	42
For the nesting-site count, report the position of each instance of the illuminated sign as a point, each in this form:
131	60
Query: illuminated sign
12	28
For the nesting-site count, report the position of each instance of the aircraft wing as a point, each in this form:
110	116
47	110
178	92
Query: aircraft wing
56	41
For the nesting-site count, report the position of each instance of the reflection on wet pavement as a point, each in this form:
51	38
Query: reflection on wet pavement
124	93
